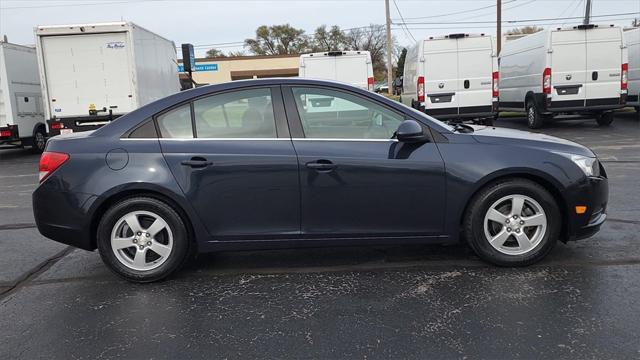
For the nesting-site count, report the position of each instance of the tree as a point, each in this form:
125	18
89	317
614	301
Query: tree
525	30
400	66
372	38
237	53
214	53
278	40
328	40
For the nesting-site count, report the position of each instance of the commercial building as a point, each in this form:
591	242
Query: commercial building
222	69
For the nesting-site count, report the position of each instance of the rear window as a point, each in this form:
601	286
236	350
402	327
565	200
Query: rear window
176	123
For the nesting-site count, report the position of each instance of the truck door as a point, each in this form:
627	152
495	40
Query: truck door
82	70
604	63
475	67
568	68
441	76
352	70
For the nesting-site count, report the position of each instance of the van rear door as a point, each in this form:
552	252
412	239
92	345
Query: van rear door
475	68
352	69
86	70
440	78
568	67
604	65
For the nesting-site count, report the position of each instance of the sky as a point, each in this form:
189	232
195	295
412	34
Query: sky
225	24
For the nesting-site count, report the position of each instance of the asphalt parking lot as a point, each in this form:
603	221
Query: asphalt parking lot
381	302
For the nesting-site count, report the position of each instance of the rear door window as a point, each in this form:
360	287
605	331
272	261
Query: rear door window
237	114
176	123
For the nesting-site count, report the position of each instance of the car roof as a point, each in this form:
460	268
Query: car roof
132	119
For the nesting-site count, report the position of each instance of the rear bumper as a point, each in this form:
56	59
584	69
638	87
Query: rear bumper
580	106
594	194
79	123
13	136
466	112
61	215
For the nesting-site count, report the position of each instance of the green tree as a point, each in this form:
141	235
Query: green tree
278	40
214	53
329	39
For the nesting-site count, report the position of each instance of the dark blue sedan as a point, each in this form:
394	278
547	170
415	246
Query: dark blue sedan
290	162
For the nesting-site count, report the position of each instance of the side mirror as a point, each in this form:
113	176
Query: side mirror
410	131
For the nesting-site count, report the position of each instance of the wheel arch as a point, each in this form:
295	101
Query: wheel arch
115	196
37	126
548	183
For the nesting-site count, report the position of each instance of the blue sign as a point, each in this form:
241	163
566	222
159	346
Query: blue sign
201	67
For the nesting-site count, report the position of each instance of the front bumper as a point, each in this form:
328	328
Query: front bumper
594	194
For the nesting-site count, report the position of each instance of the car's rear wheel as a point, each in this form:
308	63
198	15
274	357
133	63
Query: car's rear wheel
535	120
512	223
605	119
142	239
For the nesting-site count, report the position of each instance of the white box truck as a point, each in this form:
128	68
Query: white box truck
576	70
93	73
632	38
21	111
453	77
351	67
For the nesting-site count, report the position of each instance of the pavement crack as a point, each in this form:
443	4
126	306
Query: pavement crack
35	272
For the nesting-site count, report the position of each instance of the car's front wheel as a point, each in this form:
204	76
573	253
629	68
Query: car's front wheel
142	239
514	222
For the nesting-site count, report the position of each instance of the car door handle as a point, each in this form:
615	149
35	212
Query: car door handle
321	165
197	162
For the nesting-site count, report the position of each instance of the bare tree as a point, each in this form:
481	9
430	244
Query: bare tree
373	39
525	30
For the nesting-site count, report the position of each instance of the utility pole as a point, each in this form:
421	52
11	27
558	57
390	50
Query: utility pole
389	64
498	26
587	13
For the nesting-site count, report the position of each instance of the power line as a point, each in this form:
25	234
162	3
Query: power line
457	12
513	21
453	26
405	26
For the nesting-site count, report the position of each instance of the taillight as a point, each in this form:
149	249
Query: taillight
56	125
624	77
370	84
494	80
5	133
546	81
49	162
420	89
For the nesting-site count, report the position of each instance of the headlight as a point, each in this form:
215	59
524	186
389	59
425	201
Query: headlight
589	165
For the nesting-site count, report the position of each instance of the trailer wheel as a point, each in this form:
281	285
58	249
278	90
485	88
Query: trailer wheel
535	120
39	140
605	119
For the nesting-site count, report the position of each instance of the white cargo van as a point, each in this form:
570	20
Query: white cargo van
94	73
632	38
453	77
21	110
576	70
351	67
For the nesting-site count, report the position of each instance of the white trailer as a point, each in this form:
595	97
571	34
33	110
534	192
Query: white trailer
453	77
21	111
94	73
576	70
351	67
632	38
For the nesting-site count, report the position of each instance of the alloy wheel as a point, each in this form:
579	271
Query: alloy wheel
515	224
141	240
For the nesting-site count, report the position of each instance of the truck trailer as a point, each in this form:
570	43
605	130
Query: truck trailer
21	111
93	73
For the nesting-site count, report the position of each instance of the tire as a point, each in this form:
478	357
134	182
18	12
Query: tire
479	229
488	121
535	120
604	119
39	140
171	242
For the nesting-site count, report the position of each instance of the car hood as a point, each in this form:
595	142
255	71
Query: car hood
495	135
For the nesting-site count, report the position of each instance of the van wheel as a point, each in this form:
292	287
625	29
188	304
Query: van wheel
515	222
535	120
39	140
142	239
604	119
